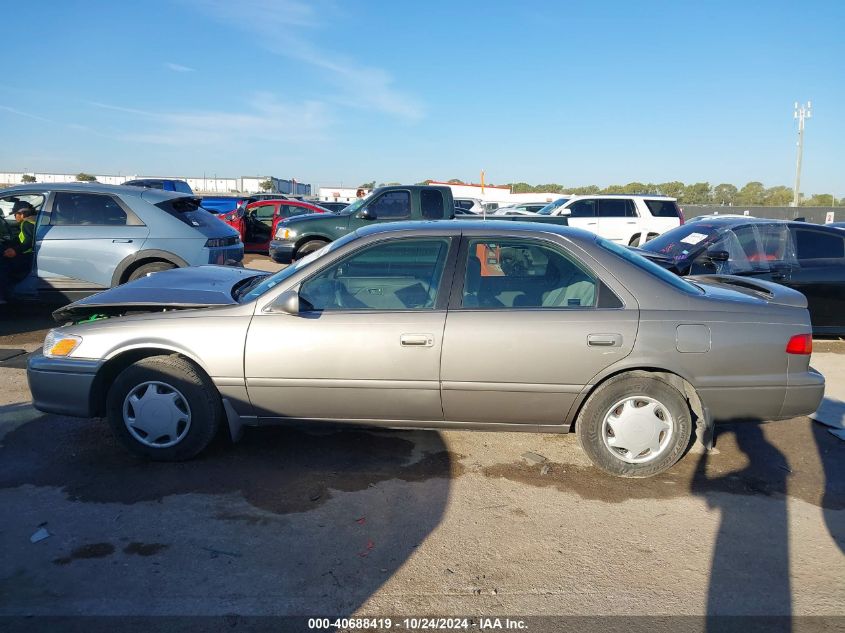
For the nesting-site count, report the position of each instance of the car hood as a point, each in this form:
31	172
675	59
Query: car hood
180	288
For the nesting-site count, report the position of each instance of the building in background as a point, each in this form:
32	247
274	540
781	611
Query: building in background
204	184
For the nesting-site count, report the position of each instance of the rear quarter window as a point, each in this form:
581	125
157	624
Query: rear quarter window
663	208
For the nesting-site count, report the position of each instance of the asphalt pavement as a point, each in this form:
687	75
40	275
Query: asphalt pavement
330	522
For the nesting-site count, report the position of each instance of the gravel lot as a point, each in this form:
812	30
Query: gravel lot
327	522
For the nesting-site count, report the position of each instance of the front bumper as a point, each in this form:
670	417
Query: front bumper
281	251
61	385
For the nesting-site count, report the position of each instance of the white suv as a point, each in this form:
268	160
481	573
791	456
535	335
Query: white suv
627	219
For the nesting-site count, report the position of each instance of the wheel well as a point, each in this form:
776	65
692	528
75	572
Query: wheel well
679	383
142	262
112	368
309	238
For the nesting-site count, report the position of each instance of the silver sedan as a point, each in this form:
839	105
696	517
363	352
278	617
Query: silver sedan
478	325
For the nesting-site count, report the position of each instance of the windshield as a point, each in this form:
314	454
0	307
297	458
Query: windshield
260	285
549	208
352	208
685	241
648	266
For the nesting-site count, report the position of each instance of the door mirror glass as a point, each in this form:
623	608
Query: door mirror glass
565	211
287	302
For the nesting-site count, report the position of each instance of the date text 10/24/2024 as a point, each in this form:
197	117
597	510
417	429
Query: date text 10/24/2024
418	624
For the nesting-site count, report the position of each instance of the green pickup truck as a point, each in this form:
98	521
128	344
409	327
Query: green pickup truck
300	235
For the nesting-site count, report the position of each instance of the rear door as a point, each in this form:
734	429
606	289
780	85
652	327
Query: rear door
83	238
529	325
820	275
618	220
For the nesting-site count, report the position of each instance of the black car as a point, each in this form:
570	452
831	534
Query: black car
807	257
332	206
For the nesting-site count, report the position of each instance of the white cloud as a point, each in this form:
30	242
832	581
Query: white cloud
179	68
278	24
265	119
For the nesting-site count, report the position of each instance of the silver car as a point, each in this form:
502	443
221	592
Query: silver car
478	325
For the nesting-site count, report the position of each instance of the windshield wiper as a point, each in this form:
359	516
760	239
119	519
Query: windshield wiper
245	286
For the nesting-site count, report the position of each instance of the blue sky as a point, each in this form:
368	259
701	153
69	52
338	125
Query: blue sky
347	91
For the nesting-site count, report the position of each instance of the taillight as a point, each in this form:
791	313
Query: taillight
800	344
681	215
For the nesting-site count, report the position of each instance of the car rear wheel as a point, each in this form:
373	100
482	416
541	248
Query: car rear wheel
309	247
164	408
146	269
634	425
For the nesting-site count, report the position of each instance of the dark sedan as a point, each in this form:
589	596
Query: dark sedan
807	257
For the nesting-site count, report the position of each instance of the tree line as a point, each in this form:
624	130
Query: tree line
752	194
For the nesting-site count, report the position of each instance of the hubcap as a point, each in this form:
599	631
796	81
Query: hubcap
637	429
156	414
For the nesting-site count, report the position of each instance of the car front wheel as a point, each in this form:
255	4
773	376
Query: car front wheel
634	425
164	408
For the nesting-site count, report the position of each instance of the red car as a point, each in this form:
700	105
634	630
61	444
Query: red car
257	221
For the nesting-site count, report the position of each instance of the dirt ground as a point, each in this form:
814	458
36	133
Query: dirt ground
330	522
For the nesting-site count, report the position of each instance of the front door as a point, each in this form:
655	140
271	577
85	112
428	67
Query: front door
583	214
526	332
366	344
259	222
84	238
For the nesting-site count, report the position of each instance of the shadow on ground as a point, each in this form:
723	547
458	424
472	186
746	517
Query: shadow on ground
22	323
265	523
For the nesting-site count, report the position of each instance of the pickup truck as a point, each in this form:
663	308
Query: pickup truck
298	236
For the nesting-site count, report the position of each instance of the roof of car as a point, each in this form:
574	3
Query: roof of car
441	226
650	196
151	195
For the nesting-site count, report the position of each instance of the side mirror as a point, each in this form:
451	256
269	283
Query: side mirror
565	211
288	302
365	214
717	256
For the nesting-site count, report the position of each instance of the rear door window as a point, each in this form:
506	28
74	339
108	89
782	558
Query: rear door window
506	274
663	208
616	208
431	204
80	209
812	244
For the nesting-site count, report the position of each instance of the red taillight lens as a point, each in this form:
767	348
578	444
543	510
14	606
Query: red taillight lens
800	344
681	215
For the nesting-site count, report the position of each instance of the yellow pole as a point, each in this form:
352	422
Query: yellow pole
482	181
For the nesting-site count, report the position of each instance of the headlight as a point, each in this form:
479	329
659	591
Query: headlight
283	233
216	242
58	344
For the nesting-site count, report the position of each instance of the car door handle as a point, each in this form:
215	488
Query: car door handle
416	340
604	340
121	241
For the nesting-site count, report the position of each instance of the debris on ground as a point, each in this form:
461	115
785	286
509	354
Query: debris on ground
366	552
218	552
361	521
534	458
39	535
545	469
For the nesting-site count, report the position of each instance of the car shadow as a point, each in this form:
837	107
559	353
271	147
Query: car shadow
25	322
288	521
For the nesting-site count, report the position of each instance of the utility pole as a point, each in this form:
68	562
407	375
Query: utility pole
801	112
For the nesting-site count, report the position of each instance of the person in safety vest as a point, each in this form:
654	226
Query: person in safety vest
17	254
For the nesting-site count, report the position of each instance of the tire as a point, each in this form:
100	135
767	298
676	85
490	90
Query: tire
152	267
196	395
309	247
607	450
